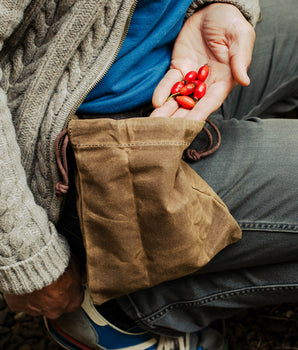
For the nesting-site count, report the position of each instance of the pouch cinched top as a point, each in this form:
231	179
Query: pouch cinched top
145	215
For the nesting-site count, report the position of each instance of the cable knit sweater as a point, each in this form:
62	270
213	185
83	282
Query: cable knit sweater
52	52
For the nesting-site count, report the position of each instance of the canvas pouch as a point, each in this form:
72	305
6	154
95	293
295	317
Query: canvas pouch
146	216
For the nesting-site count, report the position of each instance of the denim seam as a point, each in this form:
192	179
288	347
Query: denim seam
223	295
264	226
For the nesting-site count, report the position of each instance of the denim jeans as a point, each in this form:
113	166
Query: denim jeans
255	172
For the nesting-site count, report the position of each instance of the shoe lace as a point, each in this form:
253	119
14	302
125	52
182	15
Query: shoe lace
180	343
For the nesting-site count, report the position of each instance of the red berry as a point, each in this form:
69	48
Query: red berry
185	102
191	76
177	87
203	73
187	89
197	82
200	90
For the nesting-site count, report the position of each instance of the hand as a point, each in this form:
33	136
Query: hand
219	36
63	295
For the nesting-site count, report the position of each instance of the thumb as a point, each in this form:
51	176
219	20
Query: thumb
163	89
239	71
240	57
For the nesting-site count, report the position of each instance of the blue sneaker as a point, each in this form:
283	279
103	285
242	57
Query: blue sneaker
87	329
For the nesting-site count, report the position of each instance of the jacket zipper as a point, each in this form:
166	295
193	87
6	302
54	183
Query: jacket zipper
97	80
104	72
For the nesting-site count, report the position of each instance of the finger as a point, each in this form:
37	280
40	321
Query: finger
213	99
164	87
241	55
69	305
74	305
33	311
55	309
166	110
59	310
53	315
75	301
180	113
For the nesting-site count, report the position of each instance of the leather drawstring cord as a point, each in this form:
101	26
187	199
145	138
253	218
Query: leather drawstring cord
194	155
61	158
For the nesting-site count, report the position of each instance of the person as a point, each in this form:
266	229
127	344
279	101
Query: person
54	56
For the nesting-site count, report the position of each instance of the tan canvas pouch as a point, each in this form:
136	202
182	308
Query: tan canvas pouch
145	215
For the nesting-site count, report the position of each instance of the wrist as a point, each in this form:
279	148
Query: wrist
249	9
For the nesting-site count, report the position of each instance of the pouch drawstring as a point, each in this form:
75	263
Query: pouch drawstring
62	139
194	155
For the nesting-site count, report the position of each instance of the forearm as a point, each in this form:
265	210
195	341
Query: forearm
249	8
32	254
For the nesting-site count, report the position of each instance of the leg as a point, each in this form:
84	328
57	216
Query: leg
262	193
254	172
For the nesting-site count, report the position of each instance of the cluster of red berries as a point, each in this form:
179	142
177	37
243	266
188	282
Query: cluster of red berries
193	87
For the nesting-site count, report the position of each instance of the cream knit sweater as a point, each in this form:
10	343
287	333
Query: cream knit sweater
52	52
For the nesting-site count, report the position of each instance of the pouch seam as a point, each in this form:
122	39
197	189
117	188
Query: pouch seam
104	145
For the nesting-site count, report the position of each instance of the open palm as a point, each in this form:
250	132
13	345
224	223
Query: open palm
220	37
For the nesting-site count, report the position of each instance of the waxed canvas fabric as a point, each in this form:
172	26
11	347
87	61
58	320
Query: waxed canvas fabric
145	214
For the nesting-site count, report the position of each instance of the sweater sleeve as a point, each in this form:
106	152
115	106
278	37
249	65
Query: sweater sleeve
249	8
32	253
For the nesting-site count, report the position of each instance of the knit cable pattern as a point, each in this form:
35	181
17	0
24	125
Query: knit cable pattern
32	53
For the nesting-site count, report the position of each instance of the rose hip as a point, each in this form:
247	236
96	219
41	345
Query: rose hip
177	87
187	89
185	101
203	73
200	91
191	76
197	82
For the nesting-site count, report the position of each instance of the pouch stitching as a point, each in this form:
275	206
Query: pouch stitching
103	145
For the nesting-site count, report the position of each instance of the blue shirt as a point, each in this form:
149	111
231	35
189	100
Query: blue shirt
143	59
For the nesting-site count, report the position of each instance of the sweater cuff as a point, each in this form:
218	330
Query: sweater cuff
37	271
249	8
